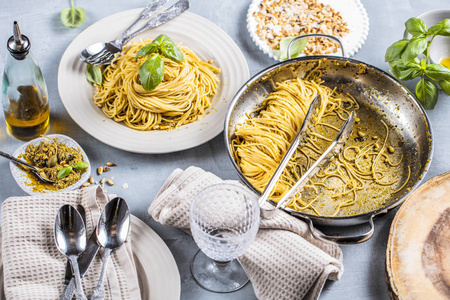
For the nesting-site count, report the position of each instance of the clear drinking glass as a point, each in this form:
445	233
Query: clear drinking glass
224	222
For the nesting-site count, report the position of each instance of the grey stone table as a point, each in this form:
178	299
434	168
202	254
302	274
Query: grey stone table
40	21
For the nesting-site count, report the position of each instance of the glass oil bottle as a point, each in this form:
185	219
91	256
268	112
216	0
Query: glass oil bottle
24	92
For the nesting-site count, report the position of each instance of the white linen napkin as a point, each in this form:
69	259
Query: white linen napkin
284	262
33	268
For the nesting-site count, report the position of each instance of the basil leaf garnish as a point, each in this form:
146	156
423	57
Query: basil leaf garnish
152	72
173	52
147	50
296	48
81	165
64	172
94	74
162	39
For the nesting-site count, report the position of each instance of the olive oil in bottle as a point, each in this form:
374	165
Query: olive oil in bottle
25	98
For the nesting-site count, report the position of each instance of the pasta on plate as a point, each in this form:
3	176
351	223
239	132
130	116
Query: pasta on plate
183	96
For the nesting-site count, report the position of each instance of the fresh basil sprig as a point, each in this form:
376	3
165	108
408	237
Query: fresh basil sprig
403	58
152	71
94	74
64	172
296	48
73	16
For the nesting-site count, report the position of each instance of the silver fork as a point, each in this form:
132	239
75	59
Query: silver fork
104	53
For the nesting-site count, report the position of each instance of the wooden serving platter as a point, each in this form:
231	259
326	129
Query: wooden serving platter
418	250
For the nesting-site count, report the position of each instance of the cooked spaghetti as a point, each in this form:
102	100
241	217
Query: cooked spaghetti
182	97
366	168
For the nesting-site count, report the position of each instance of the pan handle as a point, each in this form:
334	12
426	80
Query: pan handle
341	240
315	35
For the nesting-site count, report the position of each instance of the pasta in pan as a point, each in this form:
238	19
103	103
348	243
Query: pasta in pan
182	97
367	165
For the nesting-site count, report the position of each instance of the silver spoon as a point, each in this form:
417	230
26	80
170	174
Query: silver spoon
70	238
112	231
104	53
37	171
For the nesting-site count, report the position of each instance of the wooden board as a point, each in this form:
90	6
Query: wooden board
418	250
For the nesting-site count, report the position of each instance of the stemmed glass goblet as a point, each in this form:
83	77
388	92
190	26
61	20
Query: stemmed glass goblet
224	222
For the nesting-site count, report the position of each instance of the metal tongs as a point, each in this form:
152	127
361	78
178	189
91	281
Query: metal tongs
311	119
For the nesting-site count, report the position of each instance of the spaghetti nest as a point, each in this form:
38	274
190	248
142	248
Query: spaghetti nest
181	98
359	177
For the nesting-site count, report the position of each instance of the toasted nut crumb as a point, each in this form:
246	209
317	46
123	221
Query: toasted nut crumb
91	180
391	149
66	165
106	169
44	149
357	120
110	164
110	182
361	134
86	184
63	162
375	137
103	180
100	170
50	154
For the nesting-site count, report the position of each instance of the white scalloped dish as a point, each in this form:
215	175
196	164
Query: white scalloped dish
21	176
352	12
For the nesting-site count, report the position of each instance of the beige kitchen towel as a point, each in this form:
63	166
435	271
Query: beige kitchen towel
284	261
33	267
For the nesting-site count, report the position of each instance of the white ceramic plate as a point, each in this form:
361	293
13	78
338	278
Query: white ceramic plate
21	177
352	11
202	36
157	270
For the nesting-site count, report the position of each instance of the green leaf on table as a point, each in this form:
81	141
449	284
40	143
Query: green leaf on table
152	72
395	51
441	28
147	50
81	165
296	48
408	71
413	49
427	93
445	86
416	26
172	52
64	172
73	16
94	74
437	72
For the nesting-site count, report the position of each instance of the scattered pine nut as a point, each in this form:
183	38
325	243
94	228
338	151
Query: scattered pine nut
391	149
91	180
106	169
100	170
110	164
110	182
86	184
103	180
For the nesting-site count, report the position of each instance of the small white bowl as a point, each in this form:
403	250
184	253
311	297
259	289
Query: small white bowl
21	177
439	49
